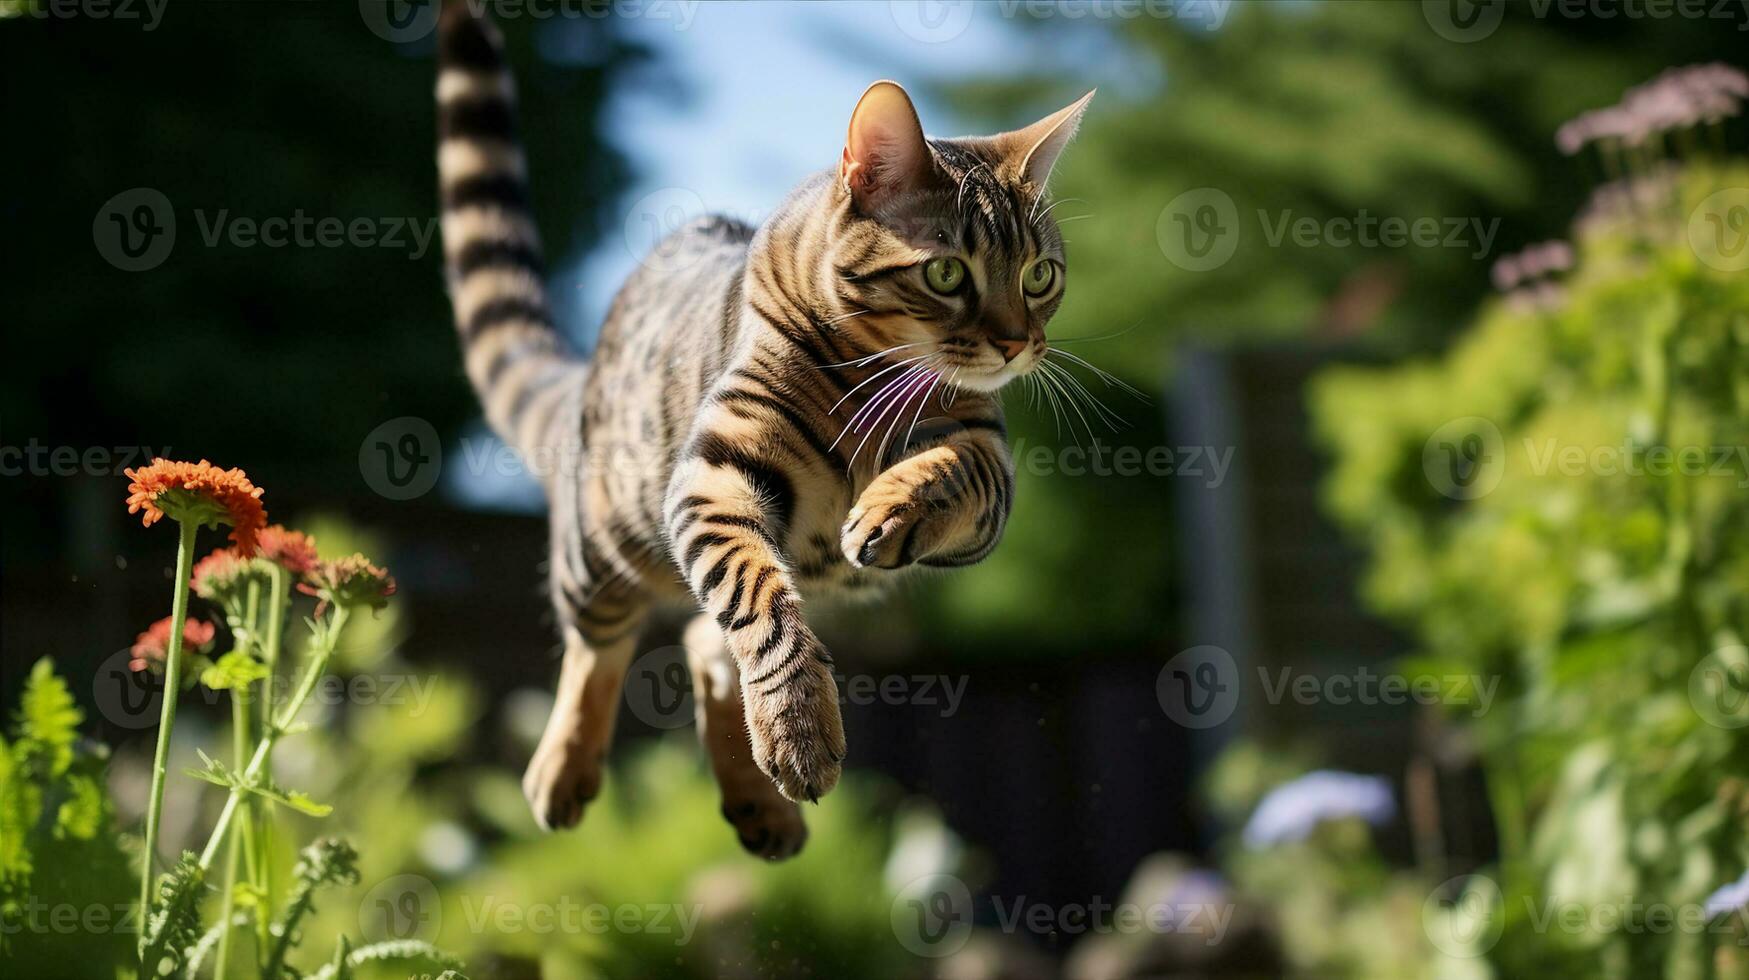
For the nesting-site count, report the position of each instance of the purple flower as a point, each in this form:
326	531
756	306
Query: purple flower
1729	898
1678	98
1291	811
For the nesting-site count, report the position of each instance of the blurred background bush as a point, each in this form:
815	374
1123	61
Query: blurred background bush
1324	374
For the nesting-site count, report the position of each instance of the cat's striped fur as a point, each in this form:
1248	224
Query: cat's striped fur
769	414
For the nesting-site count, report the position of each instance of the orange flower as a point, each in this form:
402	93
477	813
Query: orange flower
198	493
351	581
220	576
294	551
151	647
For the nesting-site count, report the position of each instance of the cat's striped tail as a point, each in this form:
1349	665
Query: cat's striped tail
518	363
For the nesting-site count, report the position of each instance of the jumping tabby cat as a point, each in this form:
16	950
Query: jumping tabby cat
804	408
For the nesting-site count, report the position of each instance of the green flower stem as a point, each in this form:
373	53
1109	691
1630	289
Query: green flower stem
167	719
279	592
318	665
240	725
243	730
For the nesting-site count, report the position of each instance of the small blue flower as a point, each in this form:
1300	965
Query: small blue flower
1291	811
1729	898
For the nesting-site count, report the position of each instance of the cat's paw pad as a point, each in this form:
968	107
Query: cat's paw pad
883	534
795	728
559	782
766	824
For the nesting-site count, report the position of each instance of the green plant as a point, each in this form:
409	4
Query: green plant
57	854
1562	502
251	583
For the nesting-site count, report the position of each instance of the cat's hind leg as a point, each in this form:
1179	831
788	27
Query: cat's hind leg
600	636
766	824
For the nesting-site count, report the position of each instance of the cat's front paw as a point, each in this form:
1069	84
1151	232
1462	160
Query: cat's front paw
795	728
890	528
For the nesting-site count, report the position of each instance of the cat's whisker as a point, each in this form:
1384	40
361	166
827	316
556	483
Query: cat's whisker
1049	373
1049	397
1088	340
1113	420
903	399
1037	214
881	451
844	317
873	408
1111	380
856	419
871	358
959	199
893	367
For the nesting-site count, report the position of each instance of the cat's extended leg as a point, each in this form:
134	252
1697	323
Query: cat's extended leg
726	511
767	824
565	773
944	506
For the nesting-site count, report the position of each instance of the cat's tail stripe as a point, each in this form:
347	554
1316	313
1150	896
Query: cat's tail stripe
520	367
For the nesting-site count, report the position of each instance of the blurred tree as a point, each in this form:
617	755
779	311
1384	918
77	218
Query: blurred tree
1327	111
254	111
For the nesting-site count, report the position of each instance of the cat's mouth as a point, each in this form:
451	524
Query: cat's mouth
983	376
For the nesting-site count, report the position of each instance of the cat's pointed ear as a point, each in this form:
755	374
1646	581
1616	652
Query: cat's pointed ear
885	151
1033	151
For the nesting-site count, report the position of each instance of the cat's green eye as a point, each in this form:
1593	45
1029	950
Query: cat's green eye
945	275
1039	277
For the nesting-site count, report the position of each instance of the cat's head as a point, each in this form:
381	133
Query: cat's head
949	244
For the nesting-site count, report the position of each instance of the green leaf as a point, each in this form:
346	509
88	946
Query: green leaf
47	716
173	931
81	814
234	671
218	774
392	950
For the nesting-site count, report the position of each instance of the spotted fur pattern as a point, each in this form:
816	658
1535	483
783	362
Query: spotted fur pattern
770	415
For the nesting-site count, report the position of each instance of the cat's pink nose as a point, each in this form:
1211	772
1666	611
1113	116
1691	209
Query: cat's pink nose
1010	348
